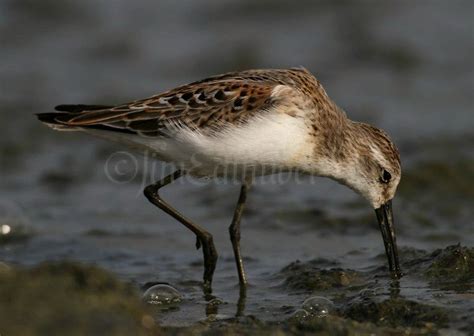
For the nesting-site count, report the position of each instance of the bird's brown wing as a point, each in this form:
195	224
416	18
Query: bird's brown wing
208	103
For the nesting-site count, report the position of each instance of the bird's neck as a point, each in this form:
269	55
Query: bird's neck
335	149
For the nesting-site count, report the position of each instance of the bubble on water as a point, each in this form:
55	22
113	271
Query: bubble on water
301	314
5	229
161	295
14	225
318	306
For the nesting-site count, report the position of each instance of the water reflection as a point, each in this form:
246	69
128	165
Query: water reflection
213	303
394	287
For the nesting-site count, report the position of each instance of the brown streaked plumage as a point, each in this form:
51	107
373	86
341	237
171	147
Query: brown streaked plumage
260	121
232	97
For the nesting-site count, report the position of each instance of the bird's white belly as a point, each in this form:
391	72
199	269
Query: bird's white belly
263	145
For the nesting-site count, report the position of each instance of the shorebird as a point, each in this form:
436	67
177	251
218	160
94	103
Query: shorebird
257	122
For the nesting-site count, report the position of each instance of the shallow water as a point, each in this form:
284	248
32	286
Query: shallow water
62	199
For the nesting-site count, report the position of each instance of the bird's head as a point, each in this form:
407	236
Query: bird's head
367	161
375	165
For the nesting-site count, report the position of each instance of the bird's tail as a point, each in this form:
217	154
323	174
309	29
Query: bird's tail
58	120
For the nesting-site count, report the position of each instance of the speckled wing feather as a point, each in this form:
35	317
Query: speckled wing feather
205	104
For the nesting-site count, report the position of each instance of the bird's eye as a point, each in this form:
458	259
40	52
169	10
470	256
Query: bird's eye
386	176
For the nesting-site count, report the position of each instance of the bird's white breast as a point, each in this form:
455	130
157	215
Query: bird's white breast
275	140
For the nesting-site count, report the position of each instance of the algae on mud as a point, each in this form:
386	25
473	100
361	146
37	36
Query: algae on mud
397	313
309	277
328	326
68	298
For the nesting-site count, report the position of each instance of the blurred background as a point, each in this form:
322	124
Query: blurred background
404	66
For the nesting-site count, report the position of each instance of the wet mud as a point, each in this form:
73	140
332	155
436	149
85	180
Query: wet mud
345	302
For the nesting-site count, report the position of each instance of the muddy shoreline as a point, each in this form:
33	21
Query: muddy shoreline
344	301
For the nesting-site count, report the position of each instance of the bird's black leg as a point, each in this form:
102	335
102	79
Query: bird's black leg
241	301
234	230
203	237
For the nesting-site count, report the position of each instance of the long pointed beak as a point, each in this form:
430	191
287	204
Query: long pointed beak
385	219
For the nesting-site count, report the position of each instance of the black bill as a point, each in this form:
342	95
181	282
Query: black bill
385	218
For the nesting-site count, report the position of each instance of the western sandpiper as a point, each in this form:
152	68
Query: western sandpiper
259	122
